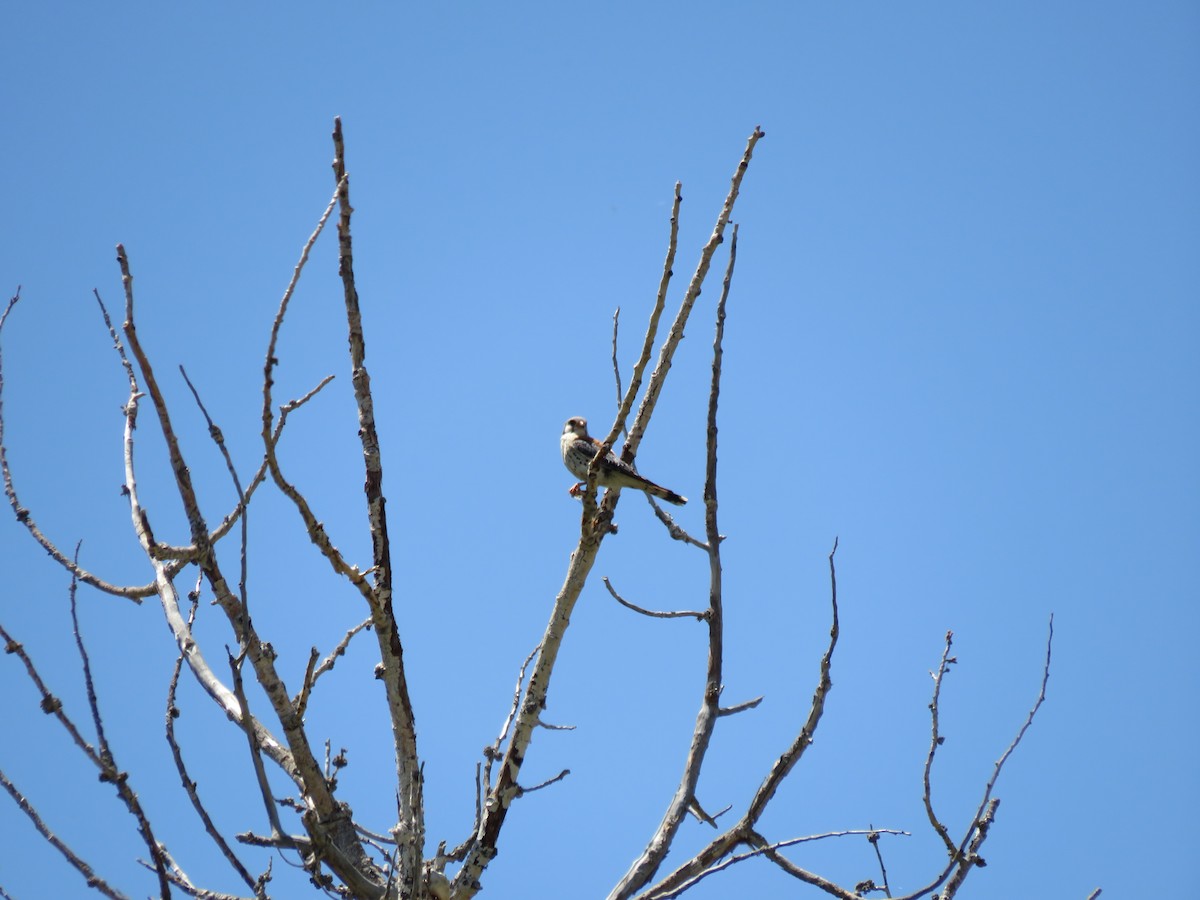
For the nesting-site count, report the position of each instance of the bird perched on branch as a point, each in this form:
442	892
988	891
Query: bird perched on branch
578	449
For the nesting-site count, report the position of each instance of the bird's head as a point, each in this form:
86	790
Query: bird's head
576	425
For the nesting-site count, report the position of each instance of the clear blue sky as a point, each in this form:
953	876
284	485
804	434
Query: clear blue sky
962	337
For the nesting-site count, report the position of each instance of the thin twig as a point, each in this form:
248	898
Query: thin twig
219	439
1041	698
873	838
549	781
86	667
542	723
936	741
967	855
616	366
313	672
739	707
674	529
327	664
676	614
493	753
697	810
260	772
652	856
964	857
770	850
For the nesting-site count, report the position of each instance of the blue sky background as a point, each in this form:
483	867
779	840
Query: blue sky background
962	338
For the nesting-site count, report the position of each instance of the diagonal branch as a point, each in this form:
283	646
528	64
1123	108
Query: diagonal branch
771	851
673	614
936	741
260	772
219	439
313	672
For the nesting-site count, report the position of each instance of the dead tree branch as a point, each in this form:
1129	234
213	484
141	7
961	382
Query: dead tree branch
411	824
674	614
965	855
647	864
762	848
744	830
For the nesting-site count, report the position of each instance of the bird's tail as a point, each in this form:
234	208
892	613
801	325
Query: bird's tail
664	494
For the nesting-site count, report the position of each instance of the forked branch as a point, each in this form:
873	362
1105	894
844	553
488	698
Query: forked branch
595	524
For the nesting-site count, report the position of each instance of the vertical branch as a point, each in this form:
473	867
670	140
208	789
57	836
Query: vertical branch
219	439
411	831
647	864
935	741
260	772
616	365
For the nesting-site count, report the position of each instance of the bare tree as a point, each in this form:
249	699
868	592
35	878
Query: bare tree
341	855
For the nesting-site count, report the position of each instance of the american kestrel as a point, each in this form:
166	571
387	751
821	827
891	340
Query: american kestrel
578	448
